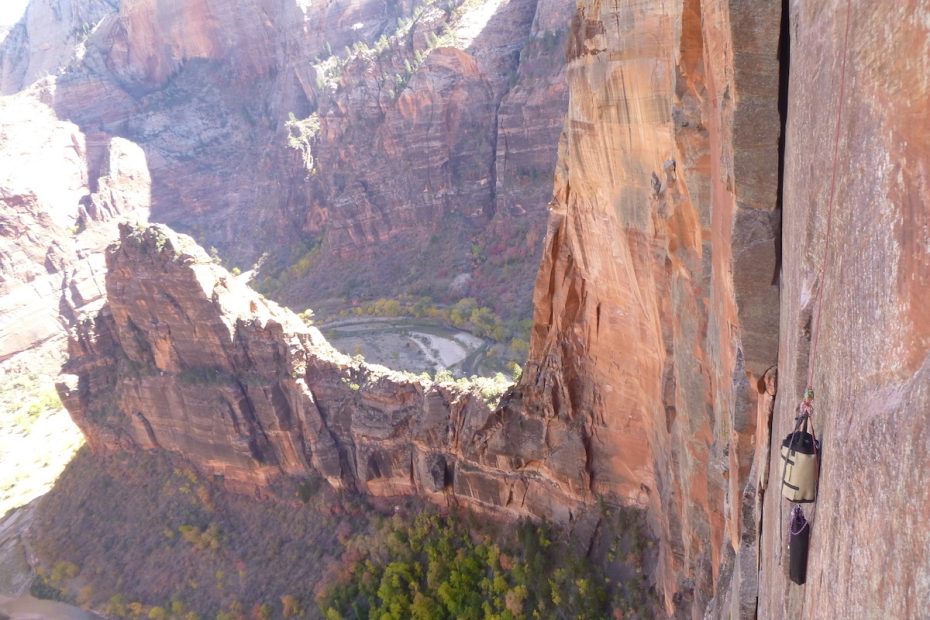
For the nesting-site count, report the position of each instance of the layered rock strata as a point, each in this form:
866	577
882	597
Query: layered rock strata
656	311
662	305
656	303
185	358
348	140
663	297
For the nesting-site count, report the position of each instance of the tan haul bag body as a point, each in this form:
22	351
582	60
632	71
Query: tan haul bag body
800	465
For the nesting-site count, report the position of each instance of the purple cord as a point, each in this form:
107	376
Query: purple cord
797	516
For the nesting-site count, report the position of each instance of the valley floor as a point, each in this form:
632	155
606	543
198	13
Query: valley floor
141	535
410	345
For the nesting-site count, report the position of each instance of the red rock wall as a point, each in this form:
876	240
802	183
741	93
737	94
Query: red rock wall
870	548
403	187
407	180
46	40
661	308
423	150
656	306
187	359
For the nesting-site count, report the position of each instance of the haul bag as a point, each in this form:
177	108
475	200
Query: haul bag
798	545
799	461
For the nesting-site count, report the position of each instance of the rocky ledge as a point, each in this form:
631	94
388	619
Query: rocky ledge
184	357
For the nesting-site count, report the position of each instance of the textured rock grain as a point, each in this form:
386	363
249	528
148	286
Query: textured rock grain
424	132
429	132
656	311
662	303
56	217
870	547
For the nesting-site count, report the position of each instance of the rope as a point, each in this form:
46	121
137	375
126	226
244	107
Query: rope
797	518
806	408
821	277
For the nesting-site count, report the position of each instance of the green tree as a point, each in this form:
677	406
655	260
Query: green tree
461	312
158	613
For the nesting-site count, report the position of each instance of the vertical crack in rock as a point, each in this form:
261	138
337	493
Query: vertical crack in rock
784	72
857	95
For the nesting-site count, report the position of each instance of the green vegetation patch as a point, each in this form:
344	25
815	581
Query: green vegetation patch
434	567
143	536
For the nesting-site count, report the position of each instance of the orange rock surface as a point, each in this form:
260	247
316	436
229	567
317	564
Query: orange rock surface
656	310
869	280
668	291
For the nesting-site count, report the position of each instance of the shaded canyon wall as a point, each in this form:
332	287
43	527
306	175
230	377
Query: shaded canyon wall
656	315
365	149
345	140
667	293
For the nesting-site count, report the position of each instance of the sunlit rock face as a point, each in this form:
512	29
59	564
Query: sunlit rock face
668	286
664	299
656	302
656	307
57	214
365	149
185	358
49	36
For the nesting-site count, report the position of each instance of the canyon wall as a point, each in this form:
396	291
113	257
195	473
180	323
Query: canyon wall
656	314
663	294
56	218
354	149
860	286
656	306
186	358
668	290
656	303
343	141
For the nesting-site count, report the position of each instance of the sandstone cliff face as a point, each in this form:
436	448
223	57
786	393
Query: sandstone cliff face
362	137
187	359
870	547
662	304
658	314
656	309
348	140
416	169
56	217
46	40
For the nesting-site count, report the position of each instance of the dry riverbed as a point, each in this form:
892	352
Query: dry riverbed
410	345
